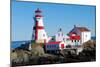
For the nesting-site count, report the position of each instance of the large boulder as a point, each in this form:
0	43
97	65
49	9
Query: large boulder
37	51
20	56
13	56
89	44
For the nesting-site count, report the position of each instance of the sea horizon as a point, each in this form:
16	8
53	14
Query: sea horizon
15	44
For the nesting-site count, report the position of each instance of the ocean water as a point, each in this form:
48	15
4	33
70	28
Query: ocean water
93	37
15	44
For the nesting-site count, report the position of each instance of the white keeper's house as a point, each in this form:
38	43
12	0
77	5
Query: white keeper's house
83	32
77	36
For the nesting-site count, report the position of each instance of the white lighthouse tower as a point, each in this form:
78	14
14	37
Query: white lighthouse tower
40	35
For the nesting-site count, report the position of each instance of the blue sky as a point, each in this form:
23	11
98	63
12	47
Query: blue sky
55	16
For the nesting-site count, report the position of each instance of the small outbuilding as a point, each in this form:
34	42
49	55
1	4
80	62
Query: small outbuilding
54	46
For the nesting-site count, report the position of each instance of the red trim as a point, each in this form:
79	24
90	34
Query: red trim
36	31
74	37
52	43
39	27
71	33
62	46
38	16
44	41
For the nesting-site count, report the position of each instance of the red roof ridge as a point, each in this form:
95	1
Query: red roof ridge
82	29
54	42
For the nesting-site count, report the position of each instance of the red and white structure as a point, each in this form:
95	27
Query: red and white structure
71	40
76	37
82	34
40	35
57	45
60	36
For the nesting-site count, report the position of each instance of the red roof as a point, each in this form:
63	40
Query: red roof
71	33
76	29
39	27
52	43
82	29
38	16
75	37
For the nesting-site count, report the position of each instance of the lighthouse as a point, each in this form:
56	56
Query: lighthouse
40	35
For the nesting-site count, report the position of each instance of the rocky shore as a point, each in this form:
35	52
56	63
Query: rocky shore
37	56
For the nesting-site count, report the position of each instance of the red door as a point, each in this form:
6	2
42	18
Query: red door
62	46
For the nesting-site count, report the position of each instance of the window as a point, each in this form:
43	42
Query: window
85	35
43	35
72	40
58	34
50	46
62	34
63	39
47	46
52	38
54	46
75	40
67	39
62	45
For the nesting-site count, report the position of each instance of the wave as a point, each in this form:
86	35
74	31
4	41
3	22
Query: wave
15	44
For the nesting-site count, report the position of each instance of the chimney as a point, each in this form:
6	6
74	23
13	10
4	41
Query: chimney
60	29
74	26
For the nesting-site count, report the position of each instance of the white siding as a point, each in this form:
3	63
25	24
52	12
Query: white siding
42	34
73	43
59	36
40	21
85	36
60	45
